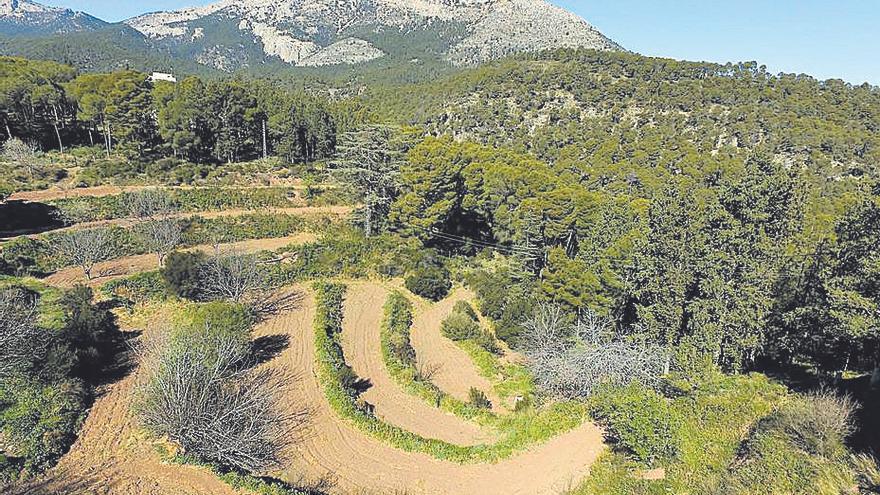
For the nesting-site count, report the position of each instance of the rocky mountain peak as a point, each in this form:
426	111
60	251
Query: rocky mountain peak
333	32
25	18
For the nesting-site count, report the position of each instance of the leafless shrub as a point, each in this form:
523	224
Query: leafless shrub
21	342
160	231
200	393
235	277
571	360
820	422
426	372
867	472
83	248
149	204
24	155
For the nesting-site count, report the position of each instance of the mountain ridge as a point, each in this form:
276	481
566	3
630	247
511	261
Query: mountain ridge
233	35
26	18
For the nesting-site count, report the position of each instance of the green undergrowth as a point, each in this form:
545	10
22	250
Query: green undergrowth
35	256
712	419
92	208
400	360
516	431
508	380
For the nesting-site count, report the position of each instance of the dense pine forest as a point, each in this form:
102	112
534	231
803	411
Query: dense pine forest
686	253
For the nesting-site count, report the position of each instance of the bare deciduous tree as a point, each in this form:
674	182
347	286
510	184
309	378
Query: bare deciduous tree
571	360
159	230
234	277
23	154
201	393
149	204
84	248
21	341
161	236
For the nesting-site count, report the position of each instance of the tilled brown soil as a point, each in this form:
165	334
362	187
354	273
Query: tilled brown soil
361	344
334	449
454	371
123	267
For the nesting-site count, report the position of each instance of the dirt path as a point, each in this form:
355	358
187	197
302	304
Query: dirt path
332	448
55	193
122	267
304	211
112	457
455	371
361	344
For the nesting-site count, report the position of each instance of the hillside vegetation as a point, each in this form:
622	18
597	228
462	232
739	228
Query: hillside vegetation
683	254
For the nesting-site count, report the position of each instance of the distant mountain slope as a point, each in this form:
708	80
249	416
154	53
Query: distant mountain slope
115	46
233	33
349	40
24	18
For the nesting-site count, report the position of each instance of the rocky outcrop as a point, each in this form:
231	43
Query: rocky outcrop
331	32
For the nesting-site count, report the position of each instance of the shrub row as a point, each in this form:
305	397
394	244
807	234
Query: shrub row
184	200
35	256
400	359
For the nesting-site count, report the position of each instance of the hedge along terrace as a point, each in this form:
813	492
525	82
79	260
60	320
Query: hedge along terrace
36	256
400	359
517	431
342	251
186	200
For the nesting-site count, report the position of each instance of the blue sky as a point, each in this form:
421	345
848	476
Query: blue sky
827	39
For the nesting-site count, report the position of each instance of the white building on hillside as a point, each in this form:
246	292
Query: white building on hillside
163	76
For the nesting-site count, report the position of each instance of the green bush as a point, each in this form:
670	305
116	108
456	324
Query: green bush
431	282
640	420
39	421
90	333
478	399
396	329
181	273
799	450
138	288
459	326
466	309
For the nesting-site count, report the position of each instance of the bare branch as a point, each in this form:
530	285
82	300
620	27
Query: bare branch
84	248
572	360
21	341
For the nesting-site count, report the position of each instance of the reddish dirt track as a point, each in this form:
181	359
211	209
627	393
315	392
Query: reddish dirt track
333	448
122	267
361	345
456	372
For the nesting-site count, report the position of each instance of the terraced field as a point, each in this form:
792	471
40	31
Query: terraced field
113	456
